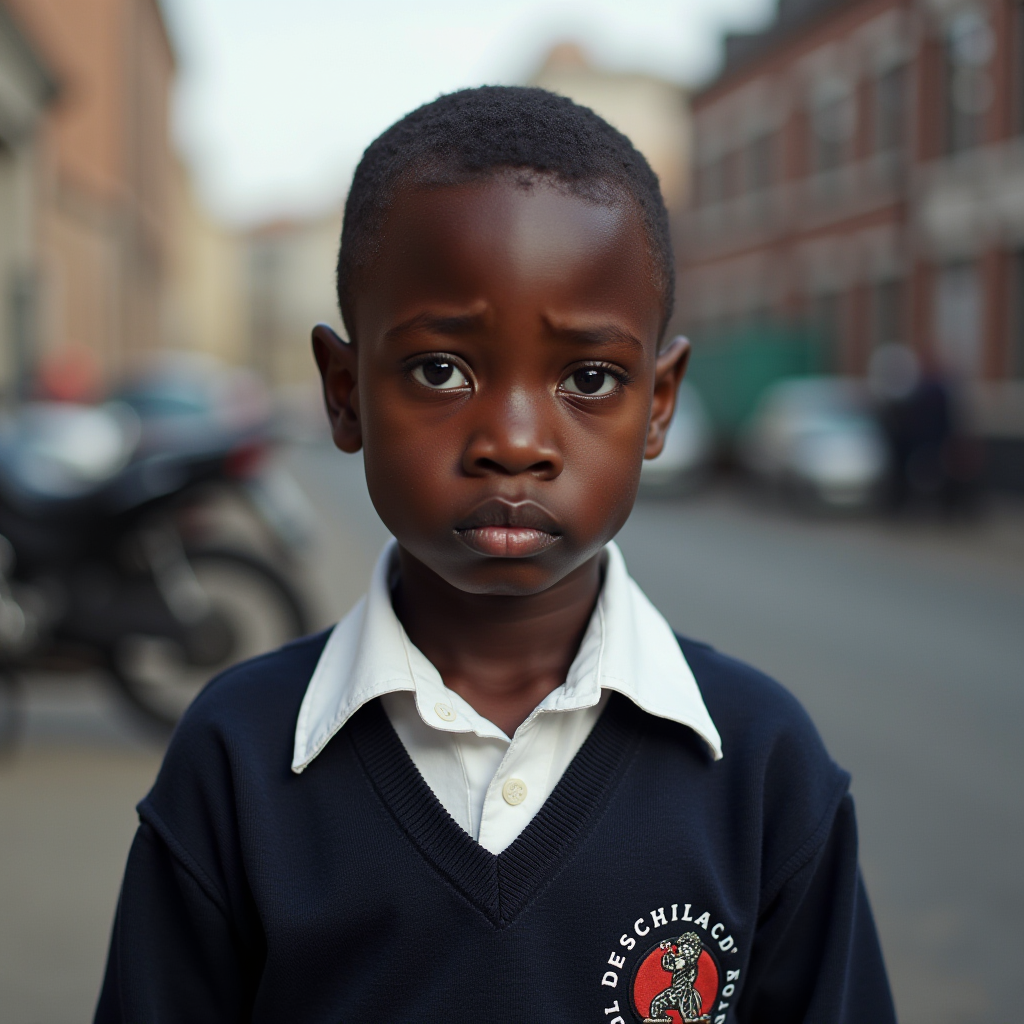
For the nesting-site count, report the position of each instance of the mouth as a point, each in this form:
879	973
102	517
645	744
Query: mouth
499	528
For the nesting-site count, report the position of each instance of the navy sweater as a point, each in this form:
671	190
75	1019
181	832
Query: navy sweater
655	883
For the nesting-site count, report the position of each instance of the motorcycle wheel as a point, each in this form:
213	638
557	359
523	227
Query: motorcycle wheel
260	609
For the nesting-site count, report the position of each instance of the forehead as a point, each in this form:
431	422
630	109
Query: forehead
511	244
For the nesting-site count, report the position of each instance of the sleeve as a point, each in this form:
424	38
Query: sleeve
173	954
816	955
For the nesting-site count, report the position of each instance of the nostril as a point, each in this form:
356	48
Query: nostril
490	466
510	467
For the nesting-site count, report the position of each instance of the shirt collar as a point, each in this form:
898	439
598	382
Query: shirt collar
628	647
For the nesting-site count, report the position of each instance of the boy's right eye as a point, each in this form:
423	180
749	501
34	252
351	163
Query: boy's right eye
439	374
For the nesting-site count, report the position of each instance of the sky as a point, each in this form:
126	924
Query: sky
276	99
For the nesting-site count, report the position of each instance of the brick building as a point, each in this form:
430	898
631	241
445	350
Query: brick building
27	87
101	206
859	174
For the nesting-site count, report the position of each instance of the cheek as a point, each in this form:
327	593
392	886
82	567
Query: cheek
409	462
603	467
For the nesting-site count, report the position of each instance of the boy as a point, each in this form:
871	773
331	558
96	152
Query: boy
501	788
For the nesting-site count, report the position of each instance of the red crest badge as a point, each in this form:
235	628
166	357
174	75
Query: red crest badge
677	982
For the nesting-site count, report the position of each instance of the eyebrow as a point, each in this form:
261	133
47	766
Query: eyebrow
599	334
435	323
461	323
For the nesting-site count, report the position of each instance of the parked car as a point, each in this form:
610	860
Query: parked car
689	444
816	439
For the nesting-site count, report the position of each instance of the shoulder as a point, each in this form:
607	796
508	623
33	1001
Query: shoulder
238	731
255	695
747	705
771	751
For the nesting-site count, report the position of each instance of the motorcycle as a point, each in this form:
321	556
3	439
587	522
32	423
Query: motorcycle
108	558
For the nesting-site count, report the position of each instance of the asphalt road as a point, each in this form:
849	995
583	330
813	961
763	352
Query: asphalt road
905	643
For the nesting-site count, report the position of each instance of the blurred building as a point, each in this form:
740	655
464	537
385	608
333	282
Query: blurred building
27	86
859	171
95	221
206	307
289	272
651	111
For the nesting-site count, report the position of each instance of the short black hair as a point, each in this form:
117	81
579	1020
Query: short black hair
477	132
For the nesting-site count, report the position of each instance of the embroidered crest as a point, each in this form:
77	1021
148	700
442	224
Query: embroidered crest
683	979
676	982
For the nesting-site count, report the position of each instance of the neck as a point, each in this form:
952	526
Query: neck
502	655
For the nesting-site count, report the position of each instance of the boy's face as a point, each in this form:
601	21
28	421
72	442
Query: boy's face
502	383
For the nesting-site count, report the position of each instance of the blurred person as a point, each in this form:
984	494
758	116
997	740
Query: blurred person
933	464
503	746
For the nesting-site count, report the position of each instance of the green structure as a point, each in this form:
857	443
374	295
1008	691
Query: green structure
731	370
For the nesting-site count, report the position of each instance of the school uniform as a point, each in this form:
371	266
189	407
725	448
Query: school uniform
337	836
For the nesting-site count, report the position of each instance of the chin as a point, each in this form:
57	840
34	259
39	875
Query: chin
500	577
509	578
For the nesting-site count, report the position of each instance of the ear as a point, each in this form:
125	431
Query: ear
339	364
669	370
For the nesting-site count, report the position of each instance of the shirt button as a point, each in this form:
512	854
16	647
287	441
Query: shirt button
514	792
445	713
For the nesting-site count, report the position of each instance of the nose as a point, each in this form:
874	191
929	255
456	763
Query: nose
514	437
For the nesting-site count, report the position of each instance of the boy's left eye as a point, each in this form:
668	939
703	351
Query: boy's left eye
590	381
439	374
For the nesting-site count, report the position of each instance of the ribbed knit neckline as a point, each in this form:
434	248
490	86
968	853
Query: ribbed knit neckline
501	885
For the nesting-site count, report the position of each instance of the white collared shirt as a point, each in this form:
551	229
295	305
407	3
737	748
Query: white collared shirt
490	783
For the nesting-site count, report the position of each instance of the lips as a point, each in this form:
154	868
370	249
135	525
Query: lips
499	528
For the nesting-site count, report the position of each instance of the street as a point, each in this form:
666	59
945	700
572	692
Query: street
905	643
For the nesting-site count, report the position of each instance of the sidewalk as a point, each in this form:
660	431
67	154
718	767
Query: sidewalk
67	802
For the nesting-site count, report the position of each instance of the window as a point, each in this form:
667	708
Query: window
760	162
709	183
825	324
888	313
1018	66
969	90
1016	366
833	120
891	110
732	174
957	309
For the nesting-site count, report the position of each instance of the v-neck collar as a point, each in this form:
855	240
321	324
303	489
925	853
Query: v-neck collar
501	885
